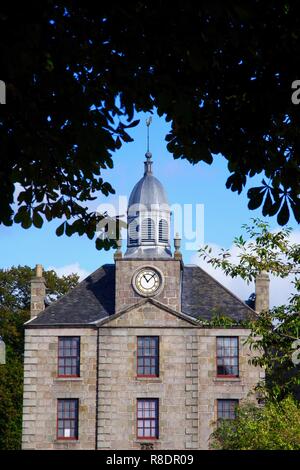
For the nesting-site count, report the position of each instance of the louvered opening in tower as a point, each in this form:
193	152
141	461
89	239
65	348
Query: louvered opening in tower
148	231
163	232
133	232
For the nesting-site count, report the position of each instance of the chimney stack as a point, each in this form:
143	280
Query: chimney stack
262	282
38	292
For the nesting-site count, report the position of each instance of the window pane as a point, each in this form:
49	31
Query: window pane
147	355
67	419
227	409
227	356
69	356
147	418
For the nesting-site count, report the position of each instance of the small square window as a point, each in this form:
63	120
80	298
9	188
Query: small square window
227	409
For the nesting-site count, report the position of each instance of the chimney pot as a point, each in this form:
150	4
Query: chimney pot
39	270
262	295
38	292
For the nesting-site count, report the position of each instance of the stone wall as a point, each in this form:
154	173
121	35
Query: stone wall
212	388
119	386
126	295
187	386
42	388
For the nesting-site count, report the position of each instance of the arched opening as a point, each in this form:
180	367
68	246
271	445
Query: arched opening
133	232
163	232
148	232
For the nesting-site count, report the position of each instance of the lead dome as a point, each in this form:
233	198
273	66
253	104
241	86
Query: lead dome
148	216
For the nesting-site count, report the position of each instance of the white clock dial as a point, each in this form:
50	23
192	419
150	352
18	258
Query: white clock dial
147	281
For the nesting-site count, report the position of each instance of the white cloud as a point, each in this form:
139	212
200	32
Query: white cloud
280	289
73	268
237	285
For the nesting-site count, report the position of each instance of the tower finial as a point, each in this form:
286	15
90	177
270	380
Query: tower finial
148	122
148	162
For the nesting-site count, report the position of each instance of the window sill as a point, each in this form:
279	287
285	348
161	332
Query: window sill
147	440
148	379
66	441
227	379
68	379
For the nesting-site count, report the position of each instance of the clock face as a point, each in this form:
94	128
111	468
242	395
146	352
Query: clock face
147	281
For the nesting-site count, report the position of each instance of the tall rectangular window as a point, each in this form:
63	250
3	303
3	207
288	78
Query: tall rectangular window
228	356
227	409
69	356
147	418
67	419
148	356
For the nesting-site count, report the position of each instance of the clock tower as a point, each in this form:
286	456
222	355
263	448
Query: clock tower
148	268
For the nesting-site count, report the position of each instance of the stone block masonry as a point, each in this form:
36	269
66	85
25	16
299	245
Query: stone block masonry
108	388
42	388
126	295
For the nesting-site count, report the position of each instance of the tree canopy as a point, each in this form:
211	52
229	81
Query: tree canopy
274	341
276	426
262	250
275	333
77	72
14	311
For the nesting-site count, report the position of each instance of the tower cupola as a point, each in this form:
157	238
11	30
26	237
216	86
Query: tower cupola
148	216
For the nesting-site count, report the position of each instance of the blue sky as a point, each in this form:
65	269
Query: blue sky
224	211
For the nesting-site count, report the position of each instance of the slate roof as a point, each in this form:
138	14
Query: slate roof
91	300
94	299
203	296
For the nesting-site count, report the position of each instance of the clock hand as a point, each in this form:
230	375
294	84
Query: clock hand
147	280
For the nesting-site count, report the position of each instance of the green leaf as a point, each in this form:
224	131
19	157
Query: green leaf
256	196
132	124
296	210
37	220
284	214
21	214
126	137
267	204
118	143
26	221
275	206
68	229
99	244
60	230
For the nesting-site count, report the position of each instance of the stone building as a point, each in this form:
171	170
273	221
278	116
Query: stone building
122	361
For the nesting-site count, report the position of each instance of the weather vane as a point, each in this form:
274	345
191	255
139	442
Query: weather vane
148	122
